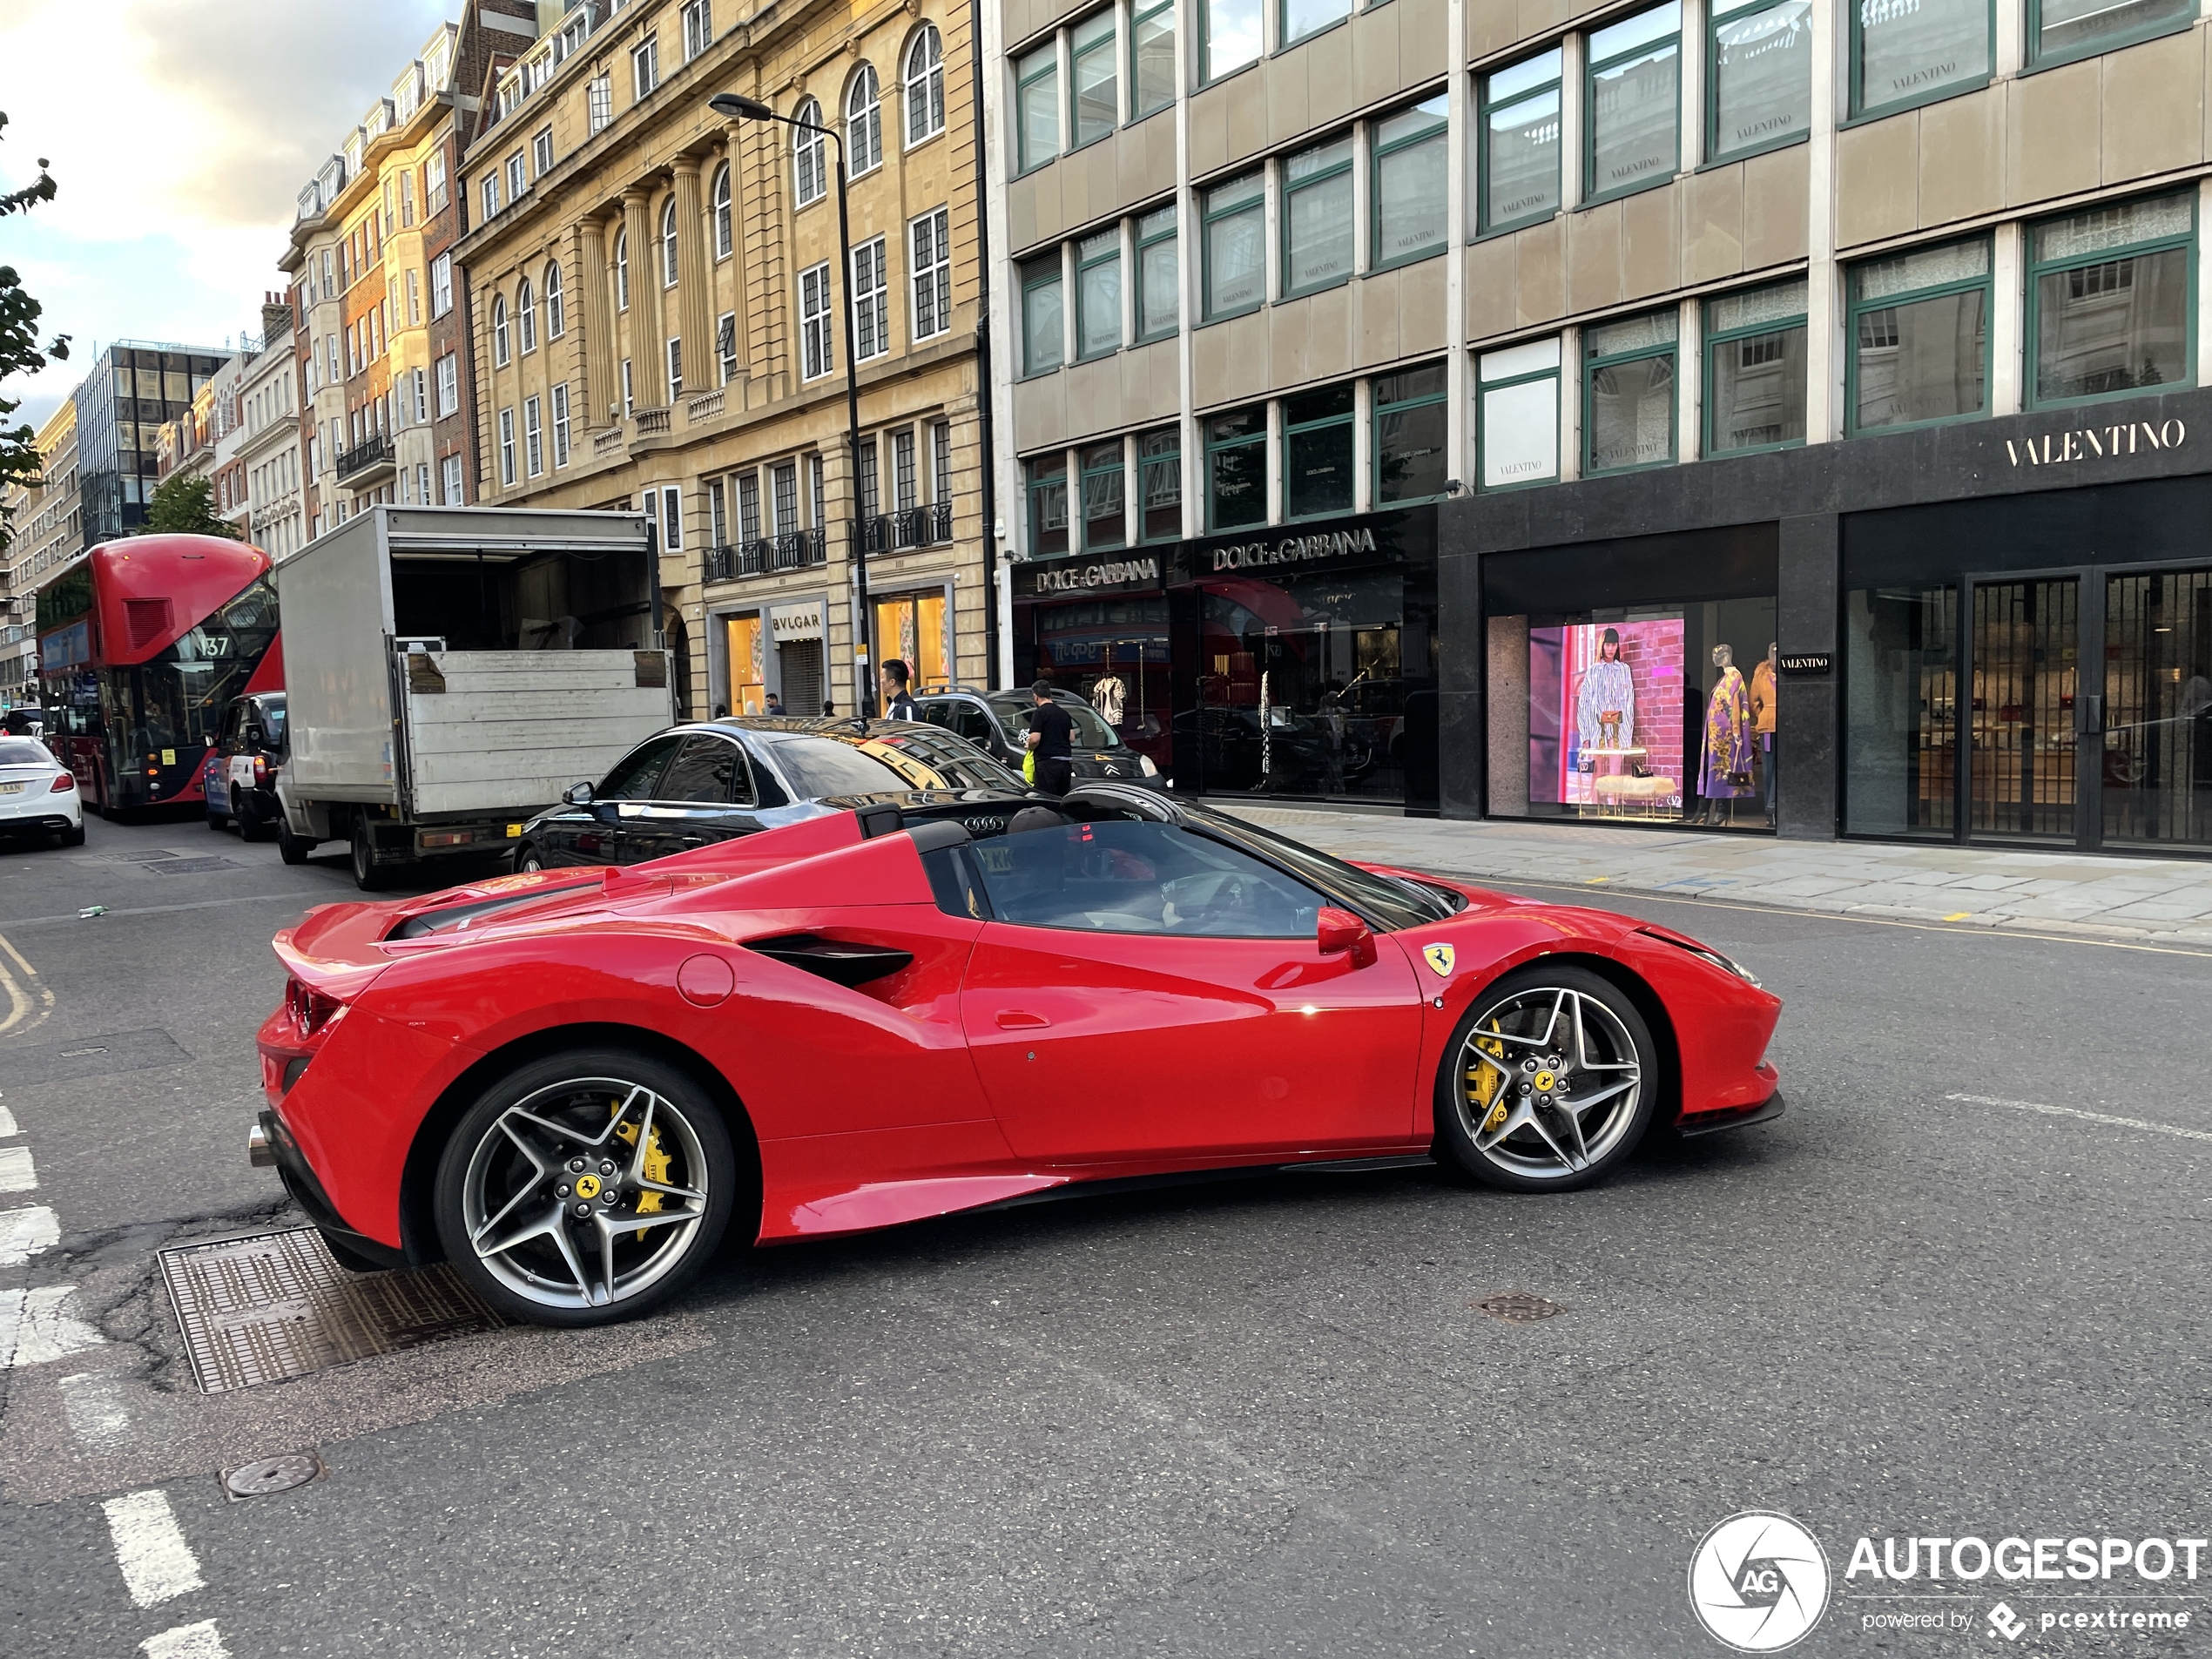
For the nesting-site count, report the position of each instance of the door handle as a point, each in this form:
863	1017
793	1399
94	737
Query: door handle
2088	714
1015	1020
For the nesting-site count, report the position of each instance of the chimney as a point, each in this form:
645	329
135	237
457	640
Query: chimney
276	317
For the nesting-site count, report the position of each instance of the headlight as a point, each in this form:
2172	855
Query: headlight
1707	952
1145	767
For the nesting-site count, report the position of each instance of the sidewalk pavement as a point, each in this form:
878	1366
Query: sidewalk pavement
2162	901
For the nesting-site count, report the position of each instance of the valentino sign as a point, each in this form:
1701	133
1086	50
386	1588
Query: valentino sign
2096	442
1293	550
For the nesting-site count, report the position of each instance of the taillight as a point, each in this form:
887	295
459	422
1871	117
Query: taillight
64	784
310	1009
260	770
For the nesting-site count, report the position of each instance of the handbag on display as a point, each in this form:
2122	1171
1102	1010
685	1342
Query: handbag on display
1739	779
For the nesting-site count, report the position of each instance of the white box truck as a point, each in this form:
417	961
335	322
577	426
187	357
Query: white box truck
451	670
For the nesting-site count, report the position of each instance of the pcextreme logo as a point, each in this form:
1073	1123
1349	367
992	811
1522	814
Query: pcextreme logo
1758	1582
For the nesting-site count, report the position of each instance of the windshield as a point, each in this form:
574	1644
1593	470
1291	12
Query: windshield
1391	905
19	752
1092	732
815	767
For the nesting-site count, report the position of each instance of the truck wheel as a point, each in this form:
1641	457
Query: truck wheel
292	849
368	876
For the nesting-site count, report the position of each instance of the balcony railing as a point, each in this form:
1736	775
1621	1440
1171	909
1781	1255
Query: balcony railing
704	407
605	441
650	422
913	527
767	557
365	457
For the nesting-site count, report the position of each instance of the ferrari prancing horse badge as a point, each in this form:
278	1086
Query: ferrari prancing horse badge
1439	958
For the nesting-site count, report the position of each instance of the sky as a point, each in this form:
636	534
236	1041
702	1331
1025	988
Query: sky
181	133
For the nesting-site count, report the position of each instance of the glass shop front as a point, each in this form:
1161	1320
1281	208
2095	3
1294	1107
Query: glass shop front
1098	627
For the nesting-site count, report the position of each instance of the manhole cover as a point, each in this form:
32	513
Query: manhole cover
272	1474
1517	1307
141	857
273	1305
191	867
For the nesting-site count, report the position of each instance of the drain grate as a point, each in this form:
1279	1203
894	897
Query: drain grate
1517	1307
272	1305
190	866
143	856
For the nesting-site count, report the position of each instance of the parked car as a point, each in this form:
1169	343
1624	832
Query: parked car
38	793
570	1085
998	723
26	720
240	777
719	780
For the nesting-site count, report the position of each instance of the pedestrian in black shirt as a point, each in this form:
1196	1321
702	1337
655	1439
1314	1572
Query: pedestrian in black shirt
1051	730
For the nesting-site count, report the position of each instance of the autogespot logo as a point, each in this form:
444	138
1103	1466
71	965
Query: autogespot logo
1758	1582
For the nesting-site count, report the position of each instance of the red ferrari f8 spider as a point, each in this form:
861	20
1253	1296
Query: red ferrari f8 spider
570	1085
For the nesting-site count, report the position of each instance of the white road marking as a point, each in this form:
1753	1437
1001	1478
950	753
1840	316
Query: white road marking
93	1400
201	1641
35	1331
8	1122
158	1565
2086	1117
24	1233
16	1174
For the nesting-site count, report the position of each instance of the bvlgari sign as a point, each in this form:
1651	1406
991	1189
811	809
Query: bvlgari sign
2097	442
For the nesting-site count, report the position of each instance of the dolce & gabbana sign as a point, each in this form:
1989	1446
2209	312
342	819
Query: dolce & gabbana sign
1095	575
2097	442
1293	550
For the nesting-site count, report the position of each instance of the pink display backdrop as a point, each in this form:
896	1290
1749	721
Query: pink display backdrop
1558	658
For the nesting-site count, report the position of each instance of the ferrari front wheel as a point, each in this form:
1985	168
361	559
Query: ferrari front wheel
1549	1082
585	1188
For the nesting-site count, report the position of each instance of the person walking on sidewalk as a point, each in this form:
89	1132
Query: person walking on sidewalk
897	702
1052	730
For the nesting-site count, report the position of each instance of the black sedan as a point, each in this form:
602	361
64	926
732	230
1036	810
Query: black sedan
717	779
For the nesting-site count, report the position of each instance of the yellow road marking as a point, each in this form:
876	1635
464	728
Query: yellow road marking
24	1009
1959	915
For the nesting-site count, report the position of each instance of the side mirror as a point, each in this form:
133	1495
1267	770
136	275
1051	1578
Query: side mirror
1339	930
577	795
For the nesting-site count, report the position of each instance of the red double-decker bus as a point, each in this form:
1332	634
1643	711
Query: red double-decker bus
140	649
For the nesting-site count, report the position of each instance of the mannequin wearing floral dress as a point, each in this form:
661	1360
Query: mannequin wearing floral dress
1605	709
1730	740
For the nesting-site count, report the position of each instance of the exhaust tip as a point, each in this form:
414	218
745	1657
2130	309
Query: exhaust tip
258	1151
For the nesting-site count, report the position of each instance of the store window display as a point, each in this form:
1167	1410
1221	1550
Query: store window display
1730	769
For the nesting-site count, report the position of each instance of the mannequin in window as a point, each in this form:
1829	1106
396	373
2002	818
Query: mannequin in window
1605	710
1763	716
1729	739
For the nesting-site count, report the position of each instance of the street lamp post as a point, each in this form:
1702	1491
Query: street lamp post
738	107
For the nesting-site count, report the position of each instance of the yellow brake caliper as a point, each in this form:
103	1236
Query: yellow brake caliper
656	1166
1486	1086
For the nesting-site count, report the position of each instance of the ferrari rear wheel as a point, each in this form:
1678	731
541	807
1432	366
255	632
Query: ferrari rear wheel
586	1188
1549	1084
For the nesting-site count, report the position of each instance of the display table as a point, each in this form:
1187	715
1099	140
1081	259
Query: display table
1624	794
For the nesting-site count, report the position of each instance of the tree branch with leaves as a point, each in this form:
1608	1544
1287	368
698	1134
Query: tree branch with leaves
20	352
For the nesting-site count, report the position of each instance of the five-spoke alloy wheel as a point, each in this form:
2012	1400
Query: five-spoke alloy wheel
1549	1081
586	1187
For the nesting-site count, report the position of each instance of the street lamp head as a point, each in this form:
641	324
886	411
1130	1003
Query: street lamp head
739	108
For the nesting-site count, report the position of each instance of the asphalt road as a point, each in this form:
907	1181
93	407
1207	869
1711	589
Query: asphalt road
1256	1418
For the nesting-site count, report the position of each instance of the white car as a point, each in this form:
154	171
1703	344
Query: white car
37	794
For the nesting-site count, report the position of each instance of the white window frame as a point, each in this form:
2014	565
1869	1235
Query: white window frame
726	234
672	518
699	28
864	122
556	305
671	255
448	386
599	103
450	482
871	301
542	151
725	328
929	258
560	424
533	437
518	179
672	354
816	332
809	155
644	68
440	285
929	85
489	188
507	448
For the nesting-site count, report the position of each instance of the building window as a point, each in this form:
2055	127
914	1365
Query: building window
924	82
1047	482
724	231
1228	37
490	191
621	270
675	353
1516	414
1632	95
748	506
542	152
440	285
725	345
870	455
628	389
1159	483
1518	132
1410	167
1304	17
2061	29
506	446
699	29
1759	64
863	123
422	384
672	518
941	461
1043	328
526	318
533	438
448	386
2109	307
560	424
1754	369
556	315
407	206
809	164
817	498
906	482
1317	453
434	183
1151	57
450	491
413	299
1158	297
1914	51
1091	66
783	480
1317	218
1036	102
501	355
1237	469
815	356
717	515
930	257
1918	334
1098	293
599	103
1412	455
1628	394
669	266
1105	505
871	301
1236	246
645	66
517	178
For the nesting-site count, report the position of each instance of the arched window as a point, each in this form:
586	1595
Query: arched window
668	243
621	270
723	240
809	162
925	80
557	310
500	354
863	123
526	315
